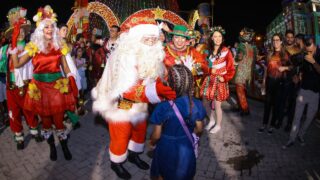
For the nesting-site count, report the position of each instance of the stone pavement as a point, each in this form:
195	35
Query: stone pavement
236	152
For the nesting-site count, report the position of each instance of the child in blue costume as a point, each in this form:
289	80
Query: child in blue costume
174	156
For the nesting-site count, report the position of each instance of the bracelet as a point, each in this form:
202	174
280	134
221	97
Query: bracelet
13	51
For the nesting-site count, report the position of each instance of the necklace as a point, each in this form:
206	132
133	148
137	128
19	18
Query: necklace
177	58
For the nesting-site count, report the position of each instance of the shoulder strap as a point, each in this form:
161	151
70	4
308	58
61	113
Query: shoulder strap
183	124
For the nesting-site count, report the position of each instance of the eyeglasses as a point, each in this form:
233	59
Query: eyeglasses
276	40
149	38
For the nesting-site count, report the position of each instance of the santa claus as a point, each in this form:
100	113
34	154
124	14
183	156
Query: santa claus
133	77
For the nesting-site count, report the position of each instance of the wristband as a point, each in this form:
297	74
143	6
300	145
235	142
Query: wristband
71	74
13	51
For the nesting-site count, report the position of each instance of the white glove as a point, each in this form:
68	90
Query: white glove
188	62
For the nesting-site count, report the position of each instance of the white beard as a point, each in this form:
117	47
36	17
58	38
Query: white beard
150	61
128	64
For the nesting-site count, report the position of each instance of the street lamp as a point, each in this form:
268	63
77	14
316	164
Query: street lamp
258	38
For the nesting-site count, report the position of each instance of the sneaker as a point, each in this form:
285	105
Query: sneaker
210	125
270	130
261	130
215	129
289	144
301	141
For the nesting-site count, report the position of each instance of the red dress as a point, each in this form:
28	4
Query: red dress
212	88
49	96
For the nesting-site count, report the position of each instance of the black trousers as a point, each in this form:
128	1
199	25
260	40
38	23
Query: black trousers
274	87
288	96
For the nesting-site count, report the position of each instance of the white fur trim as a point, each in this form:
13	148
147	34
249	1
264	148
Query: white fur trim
144	29
13	51
94	93
111	112
151	93
19	138
219	66
73	70
118	158
223	54
33	131
23	73
135	147
71	74
10	115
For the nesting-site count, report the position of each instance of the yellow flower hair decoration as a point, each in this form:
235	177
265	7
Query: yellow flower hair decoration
65	49
34	92
31	48
62	85
45	13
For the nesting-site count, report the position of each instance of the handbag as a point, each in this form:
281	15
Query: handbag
194	139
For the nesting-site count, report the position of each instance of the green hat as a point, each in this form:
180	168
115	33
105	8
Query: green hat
180	30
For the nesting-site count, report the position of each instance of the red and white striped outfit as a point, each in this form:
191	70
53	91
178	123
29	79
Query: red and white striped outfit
212	88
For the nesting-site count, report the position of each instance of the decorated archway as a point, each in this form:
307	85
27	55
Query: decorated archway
101	10
149	15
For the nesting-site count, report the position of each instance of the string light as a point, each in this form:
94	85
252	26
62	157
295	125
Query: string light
114	11
99	9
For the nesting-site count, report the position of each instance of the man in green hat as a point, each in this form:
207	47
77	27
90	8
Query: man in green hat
178	51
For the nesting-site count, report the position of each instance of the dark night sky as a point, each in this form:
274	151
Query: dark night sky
231	14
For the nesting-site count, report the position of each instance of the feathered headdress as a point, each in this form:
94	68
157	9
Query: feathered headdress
246	34
45	13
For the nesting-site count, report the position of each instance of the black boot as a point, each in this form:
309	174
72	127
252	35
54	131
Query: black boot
18	137
35	135
135	159
53	150
20	145
120	170
65	149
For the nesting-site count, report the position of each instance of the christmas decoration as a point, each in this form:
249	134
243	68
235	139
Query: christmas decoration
95	9
149	15
124	8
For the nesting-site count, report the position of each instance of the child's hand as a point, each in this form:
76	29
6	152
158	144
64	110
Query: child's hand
151	146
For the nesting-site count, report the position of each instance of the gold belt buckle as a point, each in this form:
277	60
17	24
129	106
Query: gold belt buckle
12	86
21	91
125	104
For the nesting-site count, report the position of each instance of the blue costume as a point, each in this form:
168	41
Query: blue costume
174	156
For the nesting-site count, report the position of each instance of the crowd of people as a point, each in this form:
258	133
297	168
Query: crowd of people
184	76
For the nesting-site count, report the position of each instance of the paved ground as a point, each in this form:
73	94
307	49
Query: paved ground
236	152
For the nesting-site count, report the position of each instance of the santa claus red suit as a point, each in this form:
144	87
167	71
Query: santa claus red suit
131	80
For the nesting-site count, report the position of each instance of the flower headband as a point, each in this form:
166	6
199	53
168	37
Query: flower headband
219	29
45	13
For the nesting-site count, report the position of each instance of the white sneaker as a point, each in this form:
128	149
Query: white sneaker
215	129
210	125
